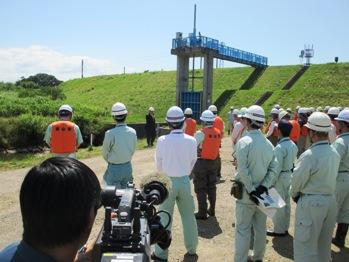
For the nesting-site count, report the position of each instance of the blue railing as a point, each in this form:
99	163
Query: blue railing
206	42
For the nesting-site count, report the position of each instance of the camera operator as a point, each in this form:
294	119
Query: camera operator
59	200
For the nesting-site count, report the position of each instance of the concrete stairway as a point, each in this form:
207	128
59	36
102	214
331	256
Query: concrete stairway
252	79
263	98
295	78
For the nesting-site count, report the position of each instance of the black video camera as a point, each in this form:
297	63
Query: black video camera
131	223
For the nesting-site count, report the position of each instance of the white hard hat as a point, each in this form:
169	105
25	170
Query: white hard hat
319	121
236	112
151	109
277	106
282	114
298	107
242	112
66	108
343	116
333	111
327	108
188	111
275	111
212	108
207	116
118	109
289	110
175	115
255	113
319	109
303	110
232	108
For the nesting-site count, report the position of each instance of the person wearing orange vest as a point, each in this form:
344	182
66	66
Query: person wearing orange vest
219	124
206	167
303	141
296	129
272	131
190	123
63	136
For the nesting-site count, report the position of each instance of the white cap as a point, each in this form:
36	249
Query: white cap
319	121
118	109
333	111
188	111
236	111
66	108
255	113
207	116
289	110
303	110
275	111
151	109
277	106
175	115
242	112
282	114
319	109
212	108
343	116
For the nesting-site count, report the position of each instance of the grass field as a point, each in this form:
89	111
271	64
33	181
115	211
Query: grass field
321	85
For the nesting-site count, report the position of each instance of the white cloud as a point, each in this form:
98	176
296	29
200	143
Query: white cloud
18	62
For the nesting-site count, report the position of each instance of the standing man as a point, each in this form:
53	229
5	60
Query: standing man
219	124
255	169
312	187
303	140
286	154
232	114
63	136
190	123
205	170
341	144
119	146
175	156
272	128
150	126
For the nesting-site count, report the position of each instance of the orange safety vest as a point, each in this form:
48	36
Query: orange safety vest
63	138
295	131
211	143
275	132
219	124
190	126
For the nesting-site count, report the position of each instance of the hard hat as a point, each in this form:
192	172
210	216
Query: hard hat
275	111
236	112
212	108
118	109
255	113
282	114
327	107
311	109
298	107
289	110
343	116
65	108
207	116
188	111
333	111
340	108
319	121
303	110
242	112
319	109
232	108
151	109
175	115
277	106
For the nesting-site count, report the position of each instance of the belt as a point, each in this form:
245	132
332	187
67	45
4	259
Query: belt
343	171
119	163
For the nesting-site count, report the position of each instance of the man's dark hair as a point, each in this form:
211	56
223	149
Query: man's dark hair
120	119
56	199
177	125
254	124
285	127
64	113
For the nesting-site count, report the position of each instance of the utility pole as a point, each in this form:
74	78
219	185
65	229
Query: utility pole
194	31
82	68
124	70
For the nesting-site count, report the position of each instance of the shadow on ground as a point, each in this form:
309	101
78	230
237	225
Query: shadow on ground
283	246
209	228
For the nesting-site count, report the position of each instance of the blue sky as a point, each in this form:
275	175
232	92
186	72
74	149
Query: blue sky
53	36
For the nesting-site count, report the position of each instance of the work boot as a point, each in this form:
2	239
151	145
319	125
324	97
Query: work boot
341	233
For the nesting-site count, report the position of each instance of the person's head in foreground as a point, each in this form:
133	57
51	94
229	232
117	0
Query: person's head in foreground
59	200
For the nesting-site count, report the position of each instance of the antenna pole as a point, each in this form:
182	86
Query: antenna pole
194	32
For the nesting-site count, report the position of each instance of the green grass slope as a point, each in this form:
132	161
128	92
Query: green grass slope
321	85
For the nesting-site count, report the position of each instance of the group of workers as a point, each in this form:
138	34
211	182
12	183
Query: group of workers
318	181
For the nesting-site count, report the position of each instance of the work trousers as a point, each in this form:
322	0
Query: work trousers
180	193
315	221
247	215
342	197
205	175
281	219
118	175
151	135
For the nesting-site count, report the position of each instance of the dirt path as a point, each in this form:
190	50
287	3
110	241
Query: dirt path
216	235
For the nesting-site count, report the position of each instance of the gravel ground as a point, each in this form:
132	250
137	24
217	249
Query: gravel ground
216	235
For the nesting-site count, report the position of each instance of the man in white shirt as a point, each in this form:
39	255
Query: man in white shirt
176	154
